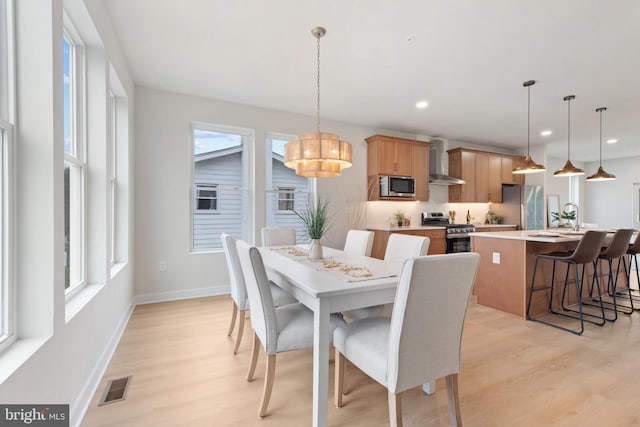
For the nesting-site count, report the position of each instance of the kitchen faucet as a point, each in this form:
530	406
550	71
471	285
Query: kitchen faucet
576	225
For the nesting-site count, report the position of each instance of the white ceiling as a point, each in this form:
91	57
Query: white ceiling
467	58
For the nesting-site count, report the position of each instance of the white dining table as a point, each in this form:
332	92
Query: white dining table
324	292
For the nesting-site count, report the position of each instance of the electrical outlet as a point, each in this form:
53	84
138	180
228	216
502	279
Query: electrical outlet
162	266
496	257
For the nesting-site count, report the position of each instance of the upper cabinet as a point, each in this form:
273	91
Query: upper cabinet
484	173
388	155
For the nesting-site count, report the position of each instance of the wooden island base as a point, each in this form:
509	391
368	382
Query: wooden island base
506	268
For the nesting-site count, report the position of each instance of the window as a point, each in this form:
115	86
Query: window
285	190
220	181
7	312
113	187
286	199
74	161
206	198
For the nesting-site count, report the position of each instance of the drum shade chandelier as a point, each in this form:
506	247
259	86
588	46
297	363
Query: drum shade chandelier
569	169
318	154
601	175
529	165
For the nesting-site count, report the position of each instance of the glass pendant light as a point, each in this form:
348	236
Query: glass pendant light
601	175
569	169
317	154
529	165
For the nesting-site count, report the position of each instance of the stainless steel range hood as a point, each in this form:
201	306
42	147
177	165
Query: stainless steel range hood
438	158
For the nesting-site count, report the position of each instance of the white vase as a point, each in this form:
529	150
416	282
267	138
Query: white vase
315	249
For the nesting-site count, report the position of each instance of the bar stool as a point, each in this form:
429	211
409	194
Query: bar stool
632	251
615	251
585	253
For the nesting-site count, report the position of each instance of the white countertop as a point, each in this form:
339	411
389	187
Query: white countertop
405	228
550	236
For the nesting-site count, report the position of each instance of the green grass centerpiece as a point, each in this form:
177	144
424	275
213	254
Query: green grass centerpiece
316	221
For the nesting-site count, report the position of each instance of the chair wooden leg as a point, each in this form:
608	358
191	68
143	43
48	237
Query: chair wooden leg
233	318
395	410
254	357
341	364
240	331
268	384
454	402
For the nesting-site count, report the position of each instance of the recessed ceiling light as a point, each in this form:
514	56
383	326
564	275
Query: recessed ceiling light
546	133
612	141
421	105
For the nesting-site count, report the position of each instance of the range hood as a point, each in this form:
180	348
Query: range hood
438	158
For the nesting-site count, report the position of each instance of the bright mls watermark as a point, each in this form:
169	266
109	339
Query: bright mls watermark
34	415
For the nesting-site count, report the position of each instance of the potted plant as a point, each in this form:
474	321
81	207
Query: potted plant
399	216
565	215
316	221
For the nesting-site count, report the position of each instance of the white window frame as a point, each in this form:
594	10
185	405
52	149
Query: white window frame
8	321
76	159
113	176
207	187
286	195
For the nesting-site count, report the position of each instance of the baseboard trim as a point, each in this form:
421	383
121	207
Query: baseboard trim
81	405
178	295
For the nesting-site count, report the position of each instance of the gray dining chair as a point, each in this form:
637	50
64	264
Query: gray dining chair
272	236
276	329
359	242
239	291
421	341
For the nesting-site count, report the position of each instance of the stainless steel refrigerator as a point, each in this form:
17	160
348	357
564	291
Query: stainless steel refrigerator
523	206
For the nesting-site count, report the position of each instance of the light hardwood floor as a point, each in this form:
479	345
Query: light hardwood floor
514	373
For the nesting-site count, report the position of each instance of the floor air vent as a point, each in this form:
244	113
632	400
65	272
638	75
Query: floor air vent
116	391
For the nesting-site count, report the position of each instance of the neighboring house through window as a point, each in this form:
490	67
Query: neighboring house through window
285	190
220	182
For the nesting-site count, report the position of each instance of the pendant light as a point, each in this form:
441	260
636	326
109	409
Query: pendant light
569	169
317	154
529	165
601	175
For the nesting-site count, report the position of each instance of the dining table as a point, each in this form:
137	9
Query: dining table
339	282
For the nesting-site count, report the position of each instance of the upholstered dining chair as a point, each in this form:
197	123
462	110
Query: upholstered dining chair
359	242
239	290
272	236
276	329
403	246
399	248
422	339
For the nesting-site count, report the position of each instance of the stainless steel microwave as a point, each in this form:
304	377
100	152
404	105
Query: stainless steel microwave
397	186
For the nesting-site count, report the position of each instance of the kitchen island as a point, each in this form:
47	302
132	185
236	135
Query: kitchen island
506	266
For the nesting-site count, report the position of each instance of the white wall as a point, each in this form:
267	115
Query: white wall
163	186
609	203
60	354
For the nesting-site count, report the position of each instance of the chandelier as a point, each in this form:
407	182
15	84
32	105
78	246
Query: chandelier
317	154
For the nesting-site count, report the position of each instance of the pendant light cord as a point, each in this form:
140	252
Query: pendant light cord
528	119
601	137
318	87
569	129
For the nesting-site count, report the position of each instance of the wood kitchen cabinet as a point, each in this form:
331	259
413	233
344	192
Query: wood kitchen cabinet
484	173
508	165
388	155
437	242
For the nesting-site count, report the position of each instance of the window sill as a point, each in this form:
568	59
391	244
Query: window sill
80	299
18	353
116	268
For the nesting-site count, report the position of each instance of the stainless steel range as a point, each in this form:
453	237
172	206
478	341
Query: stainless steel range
457	235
